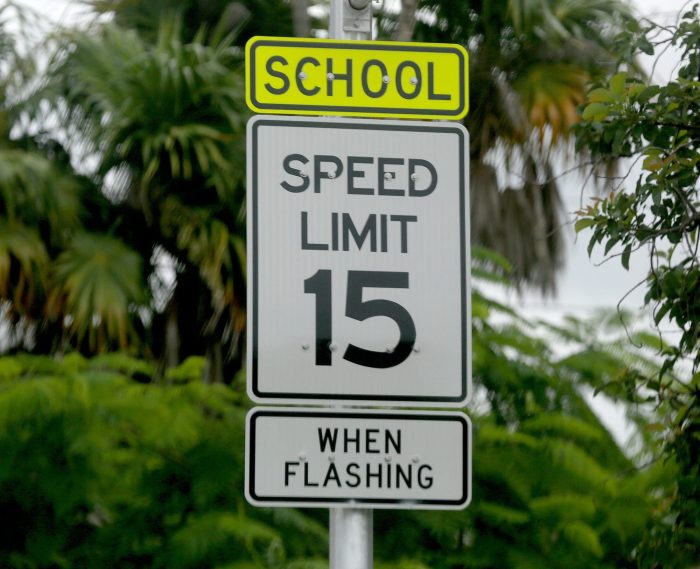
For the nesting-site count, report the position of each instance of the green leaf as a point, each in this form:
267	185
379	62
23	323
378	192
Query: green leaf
645	46
661	312
584	536
610	244
581	224
596	111
617	83
626	257
601	95
648	93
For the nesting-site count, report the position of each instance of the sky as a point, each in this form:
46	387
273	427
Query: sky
585	285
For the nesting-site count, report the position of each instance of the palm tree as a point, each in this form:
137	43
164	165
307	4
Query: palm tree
245	18
144	248
46	215
165	123
530	62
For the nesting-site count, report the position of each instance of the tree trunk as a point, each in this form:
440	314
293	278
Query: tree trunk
407	20
171	353
214	368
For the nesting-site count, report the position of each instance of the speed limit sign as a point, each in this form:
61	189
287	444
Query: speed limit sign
358	262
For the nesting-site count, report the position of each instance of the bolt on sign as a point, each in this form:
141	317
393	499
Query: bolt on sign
358	261
356	78
378	459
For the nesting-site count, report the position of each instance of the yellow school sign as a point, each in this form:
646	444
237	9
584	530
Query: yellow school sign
293	76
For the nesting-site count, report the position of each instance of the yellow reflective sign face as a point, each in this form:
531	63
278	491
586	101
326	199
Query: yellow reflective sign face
294	76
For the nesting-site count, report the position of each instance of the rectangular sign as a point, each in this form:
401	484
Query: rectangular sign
358	262
382	459
294	76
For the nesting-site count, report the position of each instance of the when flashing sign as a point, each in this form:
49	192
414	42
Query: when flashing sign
378	459
356	78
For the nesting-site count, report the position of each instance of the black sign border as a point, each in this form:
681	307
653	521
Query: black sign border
462	502
253	293
354	46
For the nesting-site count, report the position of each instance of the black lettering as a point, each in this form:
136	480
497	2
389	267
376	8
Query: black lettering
287	472
287	165
369	229
332	474
319	173
334	231
395	442
349	440
381	176
371	440
383	232
279	74
365	75
327	437
306	476
347	76
407	477
305	245
403	220
399	82
412	191
431	86
426	481
300	82
352	471
369	475
352	174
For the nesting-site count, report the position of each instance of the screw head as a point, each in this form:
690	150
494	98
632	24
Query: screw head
304	347
386	79
330	76
302	75
413	80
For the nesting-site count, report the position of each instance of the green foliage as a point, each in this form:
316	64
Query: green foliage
105	467
100	470
658	125
112	258
529	64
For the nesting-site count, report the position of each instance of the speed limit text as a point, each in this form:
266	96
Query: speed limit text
362	176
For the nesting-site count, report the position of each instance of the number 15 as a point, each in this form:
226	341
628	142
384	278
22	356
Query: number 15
320	285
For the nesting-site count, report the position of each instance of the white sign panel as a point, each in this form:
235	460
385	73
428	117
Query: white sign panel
378	459
358	261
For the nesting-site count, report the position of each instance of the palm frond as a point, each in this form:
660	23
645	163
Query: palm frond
97	285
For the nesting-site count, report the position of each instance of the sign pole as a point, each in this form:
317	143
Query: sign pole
351	529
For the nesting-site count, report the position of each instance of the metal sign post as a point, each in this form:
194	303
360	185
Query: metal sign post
358	260
351	529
